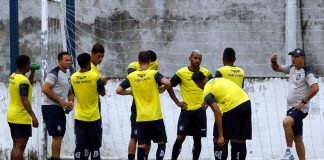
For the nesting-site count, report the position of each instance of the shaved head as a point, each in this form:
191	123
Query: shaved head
195	52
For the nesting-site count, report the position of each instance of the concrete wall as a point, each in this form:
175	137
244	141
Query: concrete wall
268	99
172	28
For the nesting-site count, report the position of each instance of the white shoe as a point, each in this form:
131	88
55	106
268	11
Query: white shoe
288	155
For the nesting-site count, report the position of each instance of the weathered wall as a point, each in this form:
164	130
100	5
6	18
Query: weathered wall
172	28
268	99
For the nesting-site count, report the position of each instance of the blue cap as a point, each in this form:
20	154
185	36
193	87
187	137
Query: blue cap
297	52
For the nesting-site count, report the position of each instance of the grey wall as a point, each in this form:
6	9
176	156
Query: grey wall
172	28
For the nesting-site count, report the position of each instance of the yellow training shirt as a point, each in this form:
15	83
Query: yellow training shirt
84	85
233	73
190	93
95	68
144	86
135	65
16	112
226	93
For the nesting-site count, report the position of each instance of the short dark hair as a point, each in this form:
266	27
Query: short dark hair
83	59
97	48
229	54
153	55
61	54
198	76
144	57
22	61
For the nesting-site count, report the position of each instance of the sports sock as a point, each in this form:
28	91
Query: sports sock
176	149
196	148
160	151
131	156
220	152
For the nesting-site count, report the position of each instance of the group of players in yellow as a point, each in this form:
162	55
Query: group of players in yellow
224	94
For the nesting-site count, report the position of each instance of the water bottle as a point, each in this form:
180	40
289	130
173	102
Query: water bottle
35	66
67	110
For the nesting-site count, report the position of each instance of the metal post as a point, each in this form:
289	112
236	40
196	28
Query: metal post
44	55
291	28
70	23
14	34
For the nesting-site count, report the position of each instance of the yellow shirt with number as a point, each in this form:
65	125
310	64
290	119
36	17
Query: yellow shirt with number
145	92
84	85
226	93
233	73
16	111
190	93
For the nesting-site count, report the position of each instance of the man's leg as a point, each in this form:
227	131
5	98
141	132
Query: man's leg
160	152
132	148
141	151
177	146
56	146
196	147
220	152
288	122
147	150
18	149
238	151
300	148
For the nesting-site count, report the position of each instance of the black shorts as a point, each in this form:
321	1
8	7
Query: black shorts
192	123
88	134
298	117
133	121
55	120
20	130
237	123
151	130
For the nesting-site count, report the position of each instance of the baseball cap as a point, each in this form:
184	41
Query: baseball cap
297	52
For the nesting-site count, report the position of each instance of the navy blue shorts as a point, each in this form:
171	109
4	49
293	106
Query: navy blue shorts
88	134
192	123
237	123
133	121
151	130
20	130
55	120
298	117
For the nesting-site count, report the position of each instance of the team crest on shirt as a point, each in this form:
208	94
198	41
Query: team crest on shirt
141	75
298	76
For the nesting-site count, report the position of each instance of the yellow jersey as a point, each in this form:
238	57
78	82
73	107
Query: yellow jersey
85	88
190	93
144	86
95	68
135	66
233	73
225	93
16	111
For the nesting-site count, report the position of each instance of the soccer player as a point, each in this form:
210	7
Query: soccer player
20	115
192	120
87	86
154	65
229	71
149	120
232	112
58	96
97	54
303	87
